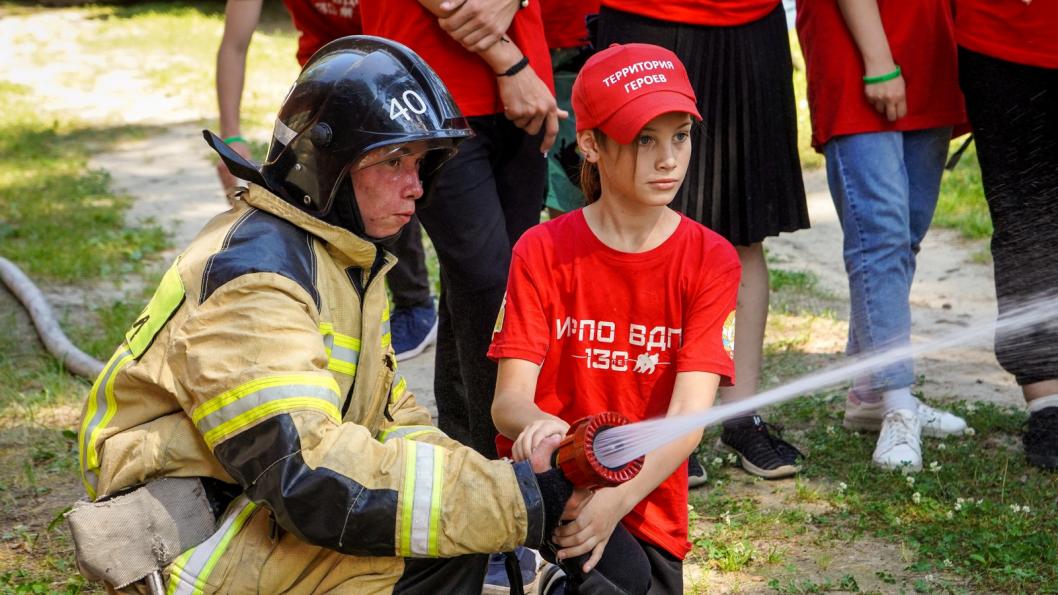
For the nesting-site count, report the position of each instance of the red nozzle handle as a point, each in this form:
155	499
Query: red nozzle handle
576	454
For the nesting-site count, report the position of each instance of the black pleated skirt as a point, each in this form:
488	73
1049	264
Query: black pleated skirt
744	181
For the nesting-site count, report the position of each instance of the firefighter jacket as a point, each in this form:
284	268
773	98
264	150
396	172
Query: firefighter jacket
264	359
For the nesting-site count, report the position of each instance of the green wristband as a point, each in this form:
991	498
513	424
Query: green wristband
881	78
235	139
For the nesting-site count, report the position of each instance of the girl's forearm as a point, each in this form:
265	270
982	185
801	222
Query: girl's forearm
865	24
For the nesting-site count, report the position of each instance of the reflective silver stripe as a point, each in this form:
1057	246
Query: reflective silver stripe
422	501
192	569
98	398
402	431
344	354
265	395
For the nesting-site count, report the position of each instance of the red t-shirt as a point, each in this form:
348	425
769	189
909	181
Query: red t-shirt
712	13
1010	30
922	41
322	21
611	330
564	24
468	78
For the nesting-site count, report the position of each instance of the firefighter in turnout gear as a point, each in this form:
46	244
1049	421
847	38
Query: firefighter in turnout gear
263	364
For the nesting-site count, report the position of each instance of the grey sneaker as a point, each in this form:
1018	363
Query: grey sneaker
867	417
696	475
900	441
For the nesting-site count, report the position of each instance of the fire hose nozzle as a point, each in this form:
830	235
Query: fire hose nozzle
576	458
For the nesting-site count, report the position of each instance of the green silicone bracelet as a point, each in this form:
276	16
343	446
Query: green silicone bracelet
235	139
881	78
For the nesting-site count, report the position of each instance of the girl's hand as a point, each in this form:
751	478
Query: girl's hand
592	528
535	433
889	98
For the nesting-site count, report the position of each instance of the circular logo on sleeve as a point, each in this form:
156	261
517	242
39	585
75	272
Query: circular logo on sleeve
729	335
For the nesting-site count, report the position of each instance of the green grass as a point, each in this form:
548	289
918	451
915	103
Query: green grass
976	515
962	205
58	219
810	159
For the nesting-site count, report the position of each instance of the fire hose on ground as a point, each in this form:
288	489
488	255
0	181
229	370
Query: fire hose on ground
55	341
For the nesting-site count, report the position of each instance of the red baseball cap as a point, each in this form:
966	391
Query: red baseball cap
623	87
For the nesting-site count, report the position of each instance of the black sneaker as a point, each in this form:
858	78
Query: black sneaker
696	475
762	454
1041	438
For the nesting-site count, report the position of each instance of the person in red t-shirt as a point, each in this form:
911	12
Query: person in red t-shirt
884	98
624	305
1008	69
414	319
745	182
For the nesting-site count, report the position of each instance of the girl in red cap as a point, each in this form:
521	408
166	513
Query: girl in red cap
624	305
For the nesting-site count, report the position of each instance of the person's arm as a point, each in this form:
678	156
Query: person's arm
527	101
478	24
514	409
591	530
240	20
251	373
865	23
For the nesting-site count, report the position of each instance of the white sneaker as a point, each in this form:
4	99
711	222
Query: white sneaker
899	442
867	417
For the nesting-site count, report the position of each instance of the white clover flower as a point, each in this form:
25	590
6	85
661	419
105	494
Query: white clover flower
969	432
910	479
942	446
958	505
830	429
719	483
1015	508
842	486
935	467
916	497
947	563
971	407
732	458
949	515
980	501
717	461
1025	509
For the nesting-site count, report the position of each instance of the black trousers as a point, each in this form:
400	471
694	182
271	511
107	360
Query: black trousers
482	202
629	566
430	576
408	280
1013	109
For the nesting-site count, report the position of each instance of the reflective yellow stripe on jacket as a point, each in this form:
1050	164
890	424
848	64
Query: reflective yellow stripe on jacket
101	407
420	512
191	569
234	410
343	351
409	432
387	336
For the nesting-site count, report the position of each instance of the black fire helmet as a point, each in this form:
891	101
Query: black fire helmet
354	95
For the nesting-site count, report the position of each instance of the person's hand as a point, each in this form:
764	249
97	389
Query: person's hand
477	24
534	434
540	458
889	97
530	105
228	181
591	529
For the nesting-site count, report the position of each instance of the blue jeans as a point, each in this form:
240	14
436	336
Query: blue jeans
884	186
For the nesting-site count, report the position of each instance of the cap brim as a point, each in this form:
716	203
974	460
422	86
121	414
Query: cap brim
624	124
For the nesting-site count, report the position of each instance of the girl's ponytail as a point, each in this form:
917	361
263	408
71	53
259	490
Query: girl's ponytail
590	184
